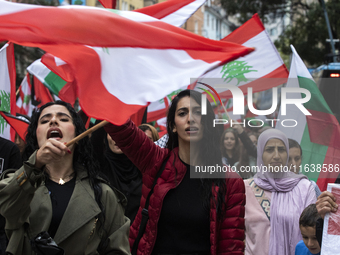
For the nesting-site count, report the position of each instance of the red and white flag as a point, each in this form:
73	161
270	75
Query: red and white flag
148	68
24	101
7	88
260	70
174	12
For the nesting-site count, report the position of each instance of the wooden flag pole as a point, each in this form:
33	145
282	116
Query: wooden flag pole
87	132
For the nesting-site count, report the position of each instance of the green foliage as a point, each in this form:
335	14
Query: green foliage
307	32
245	9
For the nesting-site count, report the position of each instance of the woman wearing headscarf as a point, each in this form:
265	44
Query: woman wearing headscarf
275	198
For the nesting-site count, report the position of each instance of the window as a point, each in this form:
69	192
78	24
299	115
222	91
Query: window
196	27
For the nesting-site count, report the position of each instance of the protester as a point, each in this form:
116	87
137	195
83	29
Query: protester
235	146
309	244
150	131
186	215
326	203
9	158
230	147
59	190
275	199
120	171
295	159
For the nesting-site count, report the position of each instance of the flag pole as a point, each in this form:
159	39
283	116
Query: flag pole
18	90
87	132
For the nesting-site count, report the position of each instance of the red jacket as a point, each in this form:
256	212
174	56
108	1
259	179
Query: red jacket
226	237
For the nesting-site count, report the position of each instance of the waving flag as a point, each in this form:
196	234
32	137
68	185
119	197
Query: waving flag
174	12
158	66
59	81
318	134
18	123
7	87
31	96
24	101
261	70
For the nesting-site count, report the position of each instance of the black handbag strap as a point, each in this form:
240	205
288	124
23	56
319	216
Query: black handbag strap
145	211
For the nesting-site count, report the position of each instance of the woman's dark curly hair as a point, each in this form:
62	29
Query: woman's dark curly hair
209	152
82	153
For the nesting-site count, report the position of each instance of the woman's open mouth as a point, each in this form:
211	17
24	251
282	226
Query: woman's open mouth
54	133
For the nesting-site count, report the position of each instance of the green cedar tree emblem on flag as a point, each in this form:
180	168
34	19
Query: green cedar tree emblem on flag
5	106
236	69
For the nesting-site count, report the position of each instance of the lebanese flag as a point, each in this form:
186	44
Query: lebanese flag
7	88
31	96
174	12
318	134
19	124
265	66
24	102
55	74
261	70
161	57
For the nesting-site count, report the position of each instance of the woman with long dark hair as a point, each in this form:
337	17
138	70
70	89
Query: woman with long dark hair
230	147
186	215
59	190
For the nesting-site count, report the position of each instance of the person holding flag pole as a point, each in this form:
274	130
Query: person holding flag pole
59	193
179	214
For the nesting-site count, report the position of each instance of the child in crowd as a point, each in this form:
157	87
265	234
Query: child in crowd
309	245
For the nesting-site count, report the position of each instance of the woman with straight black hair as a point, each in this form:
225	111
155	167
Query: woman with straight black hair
59	190
186	215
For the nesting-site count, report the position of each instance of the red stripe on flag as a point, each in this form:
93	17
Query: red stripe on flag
110	4
330	168
106	105
42	94
12	77
247	31
64	71
163	9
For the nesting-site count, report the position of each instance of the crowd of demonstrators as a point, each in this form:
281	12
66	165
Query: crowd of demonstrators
275	199
87	193
60	190
186	215
9	158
